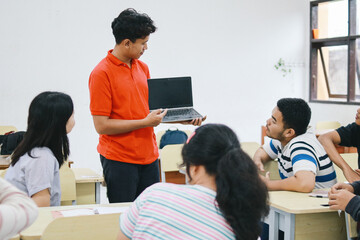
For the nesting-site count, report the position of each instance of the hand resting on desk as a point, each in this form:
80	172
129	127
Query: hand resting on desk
340	195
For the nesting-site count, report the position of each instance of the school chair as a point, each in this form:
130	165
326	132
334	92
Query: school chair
68	185
6	129
170	159
2	173
250	148
272	167
90	227
324	125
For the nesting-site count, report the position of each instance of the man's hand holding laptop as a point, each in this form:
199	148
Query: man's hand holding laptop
195	122
155	117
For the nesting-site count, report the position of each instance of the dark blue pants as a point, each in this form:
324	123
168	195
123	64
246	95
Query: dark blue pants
125	181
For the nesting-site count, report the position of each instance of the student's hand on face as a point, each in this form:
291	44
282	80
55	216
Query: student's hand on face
155	117
357	117
339	199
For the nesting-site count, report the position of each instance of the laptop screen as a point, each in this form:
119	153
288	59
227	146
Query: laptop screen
170	92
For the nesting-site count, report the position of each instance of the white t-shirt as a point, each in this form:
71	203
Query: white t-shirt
32	175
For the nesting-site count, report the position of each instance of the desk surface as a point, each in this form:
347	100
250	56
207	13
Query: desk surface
45	217
298	203
86	175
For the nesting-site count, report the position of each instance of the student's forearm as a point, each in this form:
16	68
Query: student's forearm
119	126
290	184
41	201
42	198
333	154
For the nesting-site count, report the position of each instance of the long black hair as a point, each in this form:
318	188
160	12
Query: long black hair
48	115
240	193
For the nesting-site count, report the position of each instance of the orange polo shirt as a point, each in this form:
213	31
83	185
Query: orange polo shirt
122	93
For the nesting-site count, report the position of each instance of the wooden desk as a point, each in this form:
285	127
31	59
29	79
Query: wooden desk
45	217
4	162
303	217
87	186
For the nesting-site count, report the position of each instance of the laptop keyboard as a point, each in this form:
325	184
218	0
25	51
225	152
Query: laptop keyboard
181	112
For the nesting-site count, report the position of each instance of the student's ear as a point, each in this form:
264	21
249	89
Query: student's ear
126	42
290	133
194	171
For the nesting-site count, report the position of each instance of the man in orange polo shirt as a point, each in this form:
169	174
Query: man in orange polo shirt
120	109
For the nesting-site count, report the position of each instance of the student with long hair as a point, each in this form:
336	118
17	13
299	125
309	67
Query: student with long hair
36	161
225	198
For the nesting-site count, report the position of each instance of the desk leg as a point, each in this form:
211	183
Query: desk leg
289	226
97	192
273	219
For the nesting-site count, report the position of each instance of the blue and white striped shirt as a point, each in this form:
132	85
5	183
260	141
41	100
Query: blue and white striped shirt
303	153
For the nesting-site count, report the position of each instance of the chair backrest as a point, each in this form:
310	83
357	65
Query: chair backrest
5	129
352	160
67	184
91	227
273	169
250	148
170	159
2	173
327	125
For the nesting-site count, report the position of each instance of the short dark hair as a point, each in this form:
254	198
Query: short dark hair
240	193
132	25
48	114
296	114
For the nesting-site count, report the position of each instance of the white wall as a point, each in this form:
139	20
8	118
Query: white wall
229	47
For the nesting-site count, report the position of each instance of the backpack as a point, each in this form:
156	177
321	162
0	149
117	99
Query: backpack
10	141
173	137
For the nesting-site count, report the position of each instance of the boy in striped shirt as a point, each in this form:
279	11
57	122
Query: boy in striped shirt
302	161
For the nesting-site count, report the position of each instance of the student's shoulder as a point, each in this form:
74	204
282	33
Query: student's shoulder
102	67
352	127
42	153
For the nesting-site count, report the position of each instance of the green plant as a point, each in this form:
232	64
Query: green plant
281	66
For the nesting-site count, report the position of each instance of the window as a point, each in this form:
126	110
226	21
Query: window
335	51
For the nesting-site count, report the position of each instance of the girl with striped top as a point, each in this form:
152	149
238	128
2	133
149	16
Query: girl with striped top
17	211
225	198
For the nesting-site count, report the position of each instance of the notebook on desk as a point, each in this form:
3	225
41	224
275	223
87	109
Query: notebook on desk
174	94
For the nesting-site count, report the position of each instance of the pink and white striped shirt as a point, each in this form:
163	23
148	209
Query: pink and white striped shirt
171	211
17	210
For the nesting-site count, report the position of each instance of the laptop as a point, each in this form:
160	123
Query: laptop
174	94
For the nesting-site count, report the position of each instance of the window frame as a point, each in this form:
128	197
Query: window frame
315	53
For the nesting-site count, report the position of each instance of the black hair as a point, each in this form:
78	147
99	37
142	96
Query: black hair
48	115
296	114
240	193
132	25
